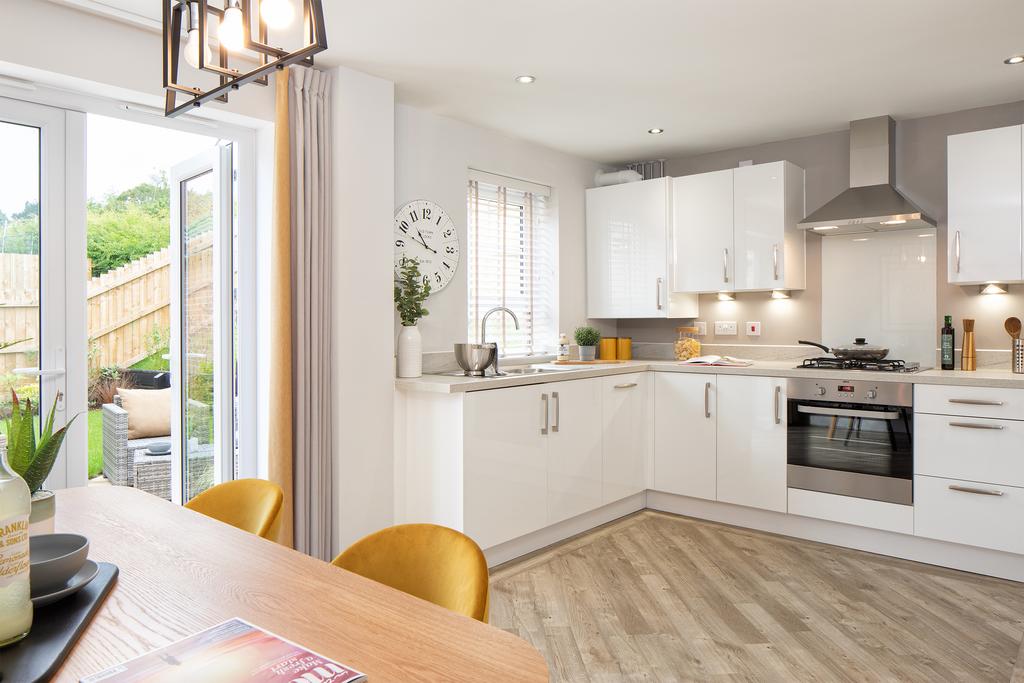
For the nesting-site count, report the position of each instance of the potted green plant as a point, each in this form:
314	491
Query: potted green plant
32	457
411	290
587	338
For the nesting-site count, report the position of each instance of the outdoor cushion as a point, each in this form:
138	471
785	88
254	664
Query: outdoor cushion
149	412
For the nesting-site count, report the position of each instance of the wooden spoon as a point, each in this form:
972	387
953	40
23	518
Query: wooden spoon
1012	326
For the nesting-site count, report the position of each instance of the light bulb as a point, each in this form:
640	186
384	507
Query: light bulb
192	49
232	29
277	13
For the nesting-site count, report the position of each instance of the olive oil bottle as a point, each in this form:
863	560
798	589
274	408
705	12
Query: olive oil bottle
947	344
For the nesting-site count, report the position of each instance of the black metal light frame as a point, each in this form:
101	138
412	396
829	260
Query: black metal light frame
270	58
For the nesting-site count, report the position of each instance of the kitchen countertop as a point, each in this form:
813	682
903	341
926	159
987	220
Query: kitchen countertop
449	384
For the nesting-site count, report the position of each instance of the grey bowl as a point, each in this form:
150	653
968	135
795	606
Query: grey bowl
475	358
55	558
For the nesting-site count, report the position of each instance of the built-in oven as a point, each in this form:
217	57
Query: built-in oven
852	438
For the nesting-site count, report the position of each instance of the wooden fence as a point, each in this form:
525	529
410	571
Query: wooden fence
129	312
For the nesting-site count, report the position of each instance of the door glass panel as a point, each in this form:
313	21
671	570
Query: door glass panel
19	265
197	324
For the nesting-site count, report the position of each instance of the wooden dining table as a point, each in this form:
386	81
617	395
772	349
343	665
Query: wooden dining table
181	572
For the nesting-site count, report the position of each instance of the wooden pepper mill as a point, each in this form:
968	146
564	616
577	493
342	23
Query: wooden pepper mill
967	359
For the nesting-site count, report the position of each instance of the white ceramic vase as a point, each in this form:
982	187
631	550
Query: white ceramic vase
410	352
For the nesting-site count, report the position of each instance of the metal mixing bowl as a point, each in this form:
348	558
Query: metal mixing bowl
474	359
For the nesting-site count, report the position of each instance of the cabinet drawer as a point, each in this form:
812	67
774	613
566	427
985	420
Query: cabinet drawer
1007	404
977	449
983	515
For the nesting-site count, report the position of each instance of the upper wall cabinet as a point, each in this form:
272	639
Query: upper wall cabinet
627	253
985	206
736	230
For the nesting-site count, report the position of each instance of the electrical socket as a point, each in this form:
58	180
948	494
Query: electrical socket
753	329
702	328
725	327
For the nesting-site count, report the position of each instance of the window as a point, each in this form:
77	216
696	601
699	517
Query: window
512	263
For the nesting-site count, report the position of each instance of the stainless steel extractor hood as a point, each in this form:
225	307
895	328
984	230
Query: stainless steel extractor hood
872	203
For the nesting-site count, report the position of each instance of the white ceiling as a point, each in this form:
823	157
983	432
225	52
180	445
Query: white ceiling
713	73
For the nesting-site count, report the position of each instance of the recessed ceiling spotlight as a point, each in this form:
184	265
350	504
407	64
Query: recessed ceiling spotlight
1015	59
655	131
525	79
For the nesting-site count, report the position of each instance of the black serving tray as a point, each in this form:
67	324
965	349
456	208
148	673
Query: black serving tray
55	628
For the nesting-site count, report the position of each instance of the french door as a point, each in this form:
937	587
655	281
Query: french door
203	420
42	272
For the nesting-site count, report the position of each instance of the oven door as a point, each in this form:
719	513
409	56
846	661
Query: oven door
851	449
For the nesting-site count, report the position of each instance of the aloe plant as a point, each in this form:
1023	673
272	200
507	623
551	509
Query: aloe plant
30	456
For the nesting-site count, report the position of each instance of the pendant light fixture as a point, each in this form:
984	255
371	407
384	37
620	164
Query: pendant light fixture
232	23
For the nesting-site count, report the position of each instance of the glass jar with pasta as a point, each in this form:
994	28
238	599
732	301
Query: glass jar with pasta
687	346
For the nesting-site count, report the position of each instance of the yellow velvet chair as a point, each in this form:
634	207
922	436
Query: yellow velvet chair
432	562
253	505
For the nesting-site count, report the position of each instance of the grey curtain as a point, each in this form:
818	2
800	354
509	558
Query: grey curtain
309	119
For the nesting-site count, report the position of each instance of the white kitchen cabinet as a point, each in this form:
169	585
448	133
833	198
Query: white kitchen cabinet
702	230
627	435
685	460
574	449
768	202
752	441
506	463
985	201
627	253
969	448
982	515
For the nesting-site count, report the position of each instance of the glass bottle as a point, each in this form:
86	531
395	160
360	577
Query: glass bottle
15	593
947	338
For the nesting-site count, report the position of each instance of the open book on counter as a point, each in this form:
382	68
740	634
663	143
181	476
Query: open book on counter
724	361
230	652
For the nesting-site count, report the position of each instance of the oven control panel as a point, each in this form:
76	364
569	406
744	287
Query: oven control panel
851	391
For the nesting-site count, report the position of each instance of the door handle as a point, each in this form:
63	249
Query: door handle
36	372
558	418
725	264
707	403
628	385
974	425
778	401
957	242
775	261
544	405
971	489
657	292
975	402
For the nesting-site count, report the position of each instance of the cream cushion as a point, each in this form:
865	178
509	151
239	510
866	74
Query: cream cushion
149	412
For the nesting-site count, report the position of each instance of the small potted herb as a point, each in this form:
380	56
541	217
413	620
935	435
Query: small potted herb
411	290
587	338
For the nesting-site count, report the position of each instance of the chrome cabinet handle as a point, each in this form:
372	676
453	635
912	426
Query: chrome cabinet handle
775	261
544	404
974	425
957	242
558	419
975	402
707	404
628	385
971	489
725	265
778	400
658	293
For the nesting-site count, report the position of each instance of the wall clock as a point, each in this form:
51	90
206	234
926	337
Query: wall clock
424	231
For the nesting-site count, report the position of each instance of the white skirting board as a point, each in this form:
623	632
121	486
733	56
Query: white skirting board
524	545
940	553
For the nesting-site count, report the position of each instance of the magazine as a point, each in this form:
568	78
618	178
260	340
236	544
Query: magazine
724	361
232	651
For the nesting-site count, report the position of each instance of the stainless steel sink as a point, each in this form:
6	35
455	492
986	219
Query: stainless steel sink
529	371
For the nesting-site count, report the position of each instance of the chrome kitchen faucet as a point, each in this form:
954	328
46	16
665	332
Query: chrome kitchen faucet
483	331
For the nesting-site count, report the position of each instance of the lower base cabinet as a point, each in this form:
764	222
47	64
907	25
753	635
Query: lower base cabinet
627	435
685	459
982	515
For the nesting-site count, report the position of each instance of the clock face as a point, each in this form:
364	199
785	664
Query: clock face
424	231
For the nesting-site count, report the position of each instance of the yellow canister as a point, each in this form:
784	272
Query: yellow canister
607	347
625	349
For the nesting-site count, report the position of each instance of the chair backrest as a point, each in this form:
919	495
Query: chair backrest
252	505
432	562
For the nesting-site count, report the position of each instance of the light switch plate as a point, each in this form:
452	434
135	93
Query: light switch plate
725	327
702	328
753	329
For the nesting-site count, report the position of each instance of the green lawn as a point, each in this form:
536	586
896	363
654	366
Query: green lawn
95	442
154	362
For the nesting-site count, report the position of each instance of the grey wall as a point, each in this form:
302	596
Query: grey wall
920	174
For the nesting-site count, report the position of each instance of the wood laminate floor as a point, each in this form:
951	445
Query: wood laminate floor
655	597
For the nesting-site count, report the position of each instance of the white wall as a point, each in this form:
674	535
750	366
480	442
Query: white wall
362	322
432	156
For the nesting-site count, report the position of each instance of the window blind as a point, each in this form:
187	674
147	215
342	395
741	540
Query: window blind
511	263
